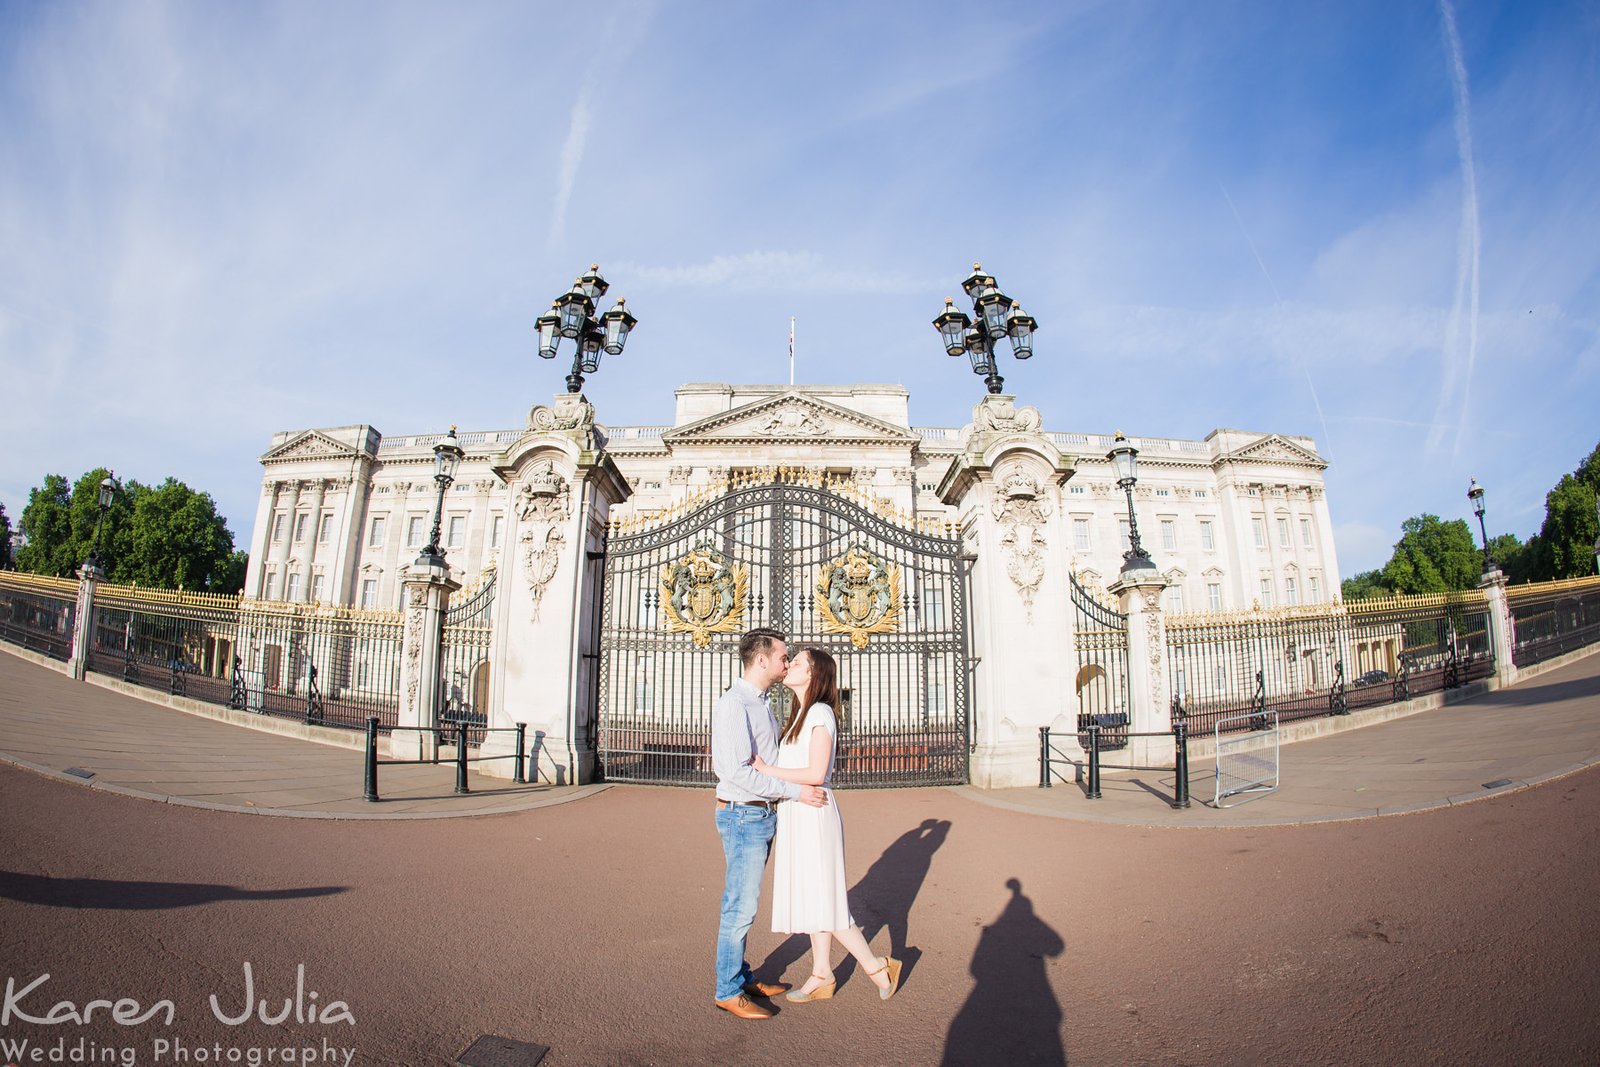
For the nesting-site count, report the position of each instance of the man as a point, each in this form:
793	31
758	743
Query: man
742	727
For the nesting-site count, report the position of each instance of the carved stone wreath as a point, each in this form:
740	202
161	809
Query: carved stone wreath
541	501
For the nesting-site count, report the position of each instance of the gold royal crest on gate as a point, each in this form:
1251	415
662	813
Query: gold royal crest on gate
858	594
703	594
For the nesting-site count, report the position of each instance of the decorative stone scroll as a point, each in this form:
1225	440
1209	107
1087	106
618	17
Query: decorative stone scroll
858	594
570	412
997	414
1021	511
704	593
541	503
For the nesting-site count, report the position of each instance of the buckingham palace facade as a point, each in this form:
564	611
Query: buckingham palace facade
1236	520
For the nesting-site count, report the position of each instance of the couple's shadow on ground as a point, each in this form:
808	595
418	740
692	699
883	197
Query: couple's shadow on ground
881	900
1011	1015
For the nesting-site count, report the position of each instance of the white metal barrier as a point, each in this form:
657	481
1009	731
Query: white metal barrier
1247	762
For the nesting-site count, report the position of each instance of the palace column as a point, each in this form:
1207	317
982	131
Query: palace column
562	489
320	490
1006	487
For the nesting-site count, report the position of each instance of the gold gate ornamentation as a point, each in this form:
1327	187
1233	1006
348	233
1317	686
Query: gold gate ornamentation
858	594
703	593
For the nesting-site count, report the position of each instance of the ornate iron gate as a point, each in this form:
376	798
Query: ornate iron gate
1101	637
827	566
464	660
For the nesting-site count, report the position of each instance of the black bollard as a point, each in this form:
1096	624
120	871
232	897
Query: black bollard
1180	737
1044	757
371	788
1094	759
461	758
518	775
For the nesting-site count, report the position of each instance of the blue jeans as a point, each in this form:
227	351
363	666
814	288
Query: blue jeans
746	841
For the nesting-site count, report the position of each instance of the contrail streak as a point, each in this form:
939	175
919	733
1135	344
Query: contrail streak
1327	441
1458	377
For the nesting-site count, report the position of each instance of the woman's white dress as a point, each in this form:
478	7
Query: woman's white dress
809	894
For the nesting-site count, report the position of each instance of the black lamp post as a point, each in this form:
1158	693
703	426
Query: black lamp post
572	317
1123	458
446	459
994	315
1475	494
108	489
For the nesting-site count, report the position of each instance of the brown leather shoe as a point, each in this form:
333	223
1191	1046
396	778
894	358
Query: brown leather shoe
766	989
744	1007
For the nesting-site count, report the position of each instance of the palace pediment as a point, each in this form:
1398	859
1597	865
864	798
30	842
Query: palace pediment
309	444
1275	448
789	417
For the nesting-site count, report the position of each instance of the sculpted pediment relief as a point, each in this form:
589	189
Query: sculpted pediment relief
309	444
790	417
1274	448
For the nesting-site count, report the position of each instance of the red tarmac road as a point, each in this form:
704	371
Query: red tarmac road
1460	936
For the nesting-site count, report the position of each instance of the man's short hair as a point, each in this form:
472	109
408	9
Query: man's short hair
757	642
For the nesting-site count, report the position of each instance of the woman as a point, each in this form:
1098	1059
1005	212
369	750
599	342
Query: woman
808	884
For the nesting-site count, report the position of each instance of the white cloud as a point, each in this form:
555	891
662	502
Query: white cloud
797	272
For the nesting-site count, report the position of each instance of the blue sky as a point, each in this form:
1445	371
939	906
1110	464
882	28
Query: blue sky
1373	224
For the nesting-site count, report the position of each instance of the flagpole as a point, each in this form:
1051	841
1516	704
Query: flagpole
791	349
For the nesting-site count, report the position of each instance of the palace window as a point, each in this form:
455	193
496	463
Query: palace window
1208	536
271	591
1316	590
1163	492
1291	594
316	588
1213	596
414	531
369	593
325	530
1266	592
494	530
1169	535
1259	527
1305	532
300	526
1199	494
1174	598
293	592
1283	534
458	531
277	526
1080	534
1122	527
379	522
1075	490
933	609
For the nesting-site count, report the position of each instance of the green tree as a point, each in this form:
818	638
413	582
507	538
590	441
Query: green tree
1433	556
1364	586
59	525
1571	525
178	541
6	562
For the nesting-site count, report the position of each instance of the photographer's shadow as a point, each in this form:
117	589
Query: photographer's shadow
1012	1015
881	900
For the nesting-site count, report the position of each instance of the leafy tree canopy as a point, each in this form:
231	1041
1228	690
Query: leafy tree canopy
1433	556
6	562
168	536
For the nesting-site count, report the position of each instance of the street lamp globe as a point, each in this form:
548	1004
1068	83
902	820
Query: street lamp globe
548	324
995	317
447	455
617	323
1123	457
107	489
1475	494
953	325
1021	326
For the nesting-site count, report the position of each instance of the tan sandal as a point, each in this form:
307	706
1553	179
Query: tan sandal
822	992
892	965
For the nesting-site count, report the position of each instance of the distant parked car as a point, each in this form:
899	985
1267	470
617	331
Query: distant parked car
1373	678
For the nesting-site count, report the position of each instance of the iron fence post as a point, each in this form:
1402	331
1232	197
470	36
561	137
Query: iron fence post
1180	734
518	774
1094	760
461	758
371	787
1044	757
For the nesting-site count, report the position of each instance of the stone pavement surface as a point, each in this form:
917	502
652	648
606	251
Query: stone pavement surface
1542	728
49	723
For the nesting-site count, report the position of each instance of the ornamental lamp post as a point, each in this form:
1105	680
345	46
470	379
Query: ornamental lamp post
994	316
572	318
447	456
1123	457
108	489
1475	494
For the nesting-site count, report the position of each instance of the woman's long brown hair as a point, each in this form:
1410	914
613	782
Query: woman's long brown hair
822	689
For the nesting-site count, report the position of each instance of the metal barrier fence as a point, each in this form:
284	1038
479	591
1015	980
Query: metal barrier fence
37	612
1551	618
462	732
1242	767
1316	660
1092	747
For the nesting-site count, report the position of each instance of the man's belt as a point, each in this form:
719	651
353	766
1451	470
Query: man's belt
768	804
